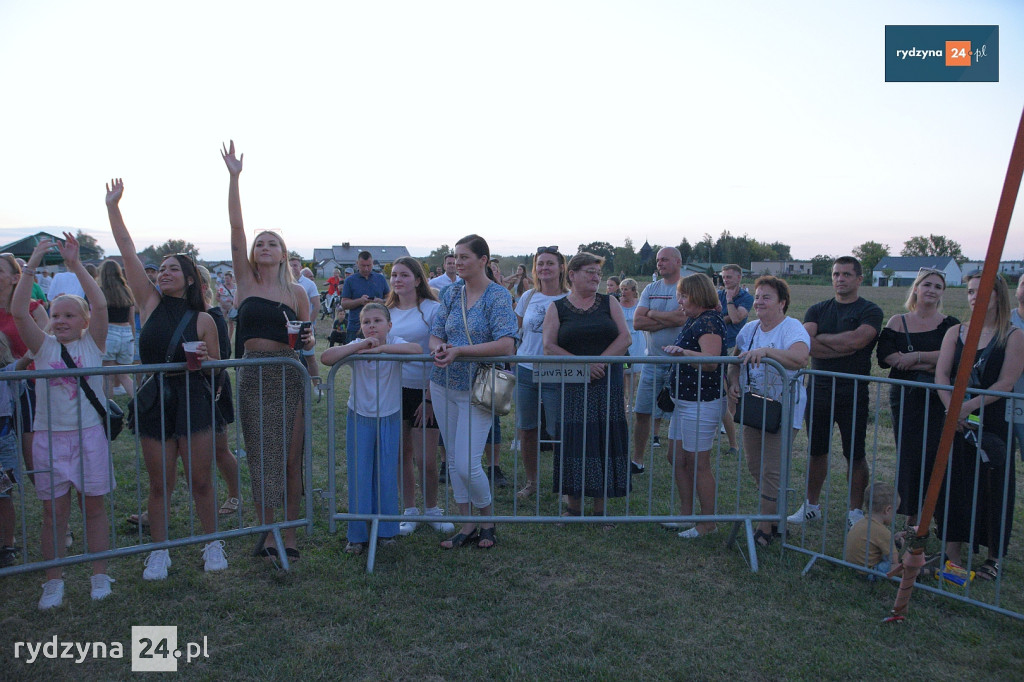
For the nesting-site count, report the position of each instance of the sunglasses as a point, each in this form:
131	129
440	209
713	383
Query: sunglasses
932	271
553	250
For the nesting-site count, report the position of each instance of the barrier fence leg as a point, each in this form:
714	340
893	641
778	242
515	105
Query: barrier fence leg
259	544
282	556
371	557
807	568
751	545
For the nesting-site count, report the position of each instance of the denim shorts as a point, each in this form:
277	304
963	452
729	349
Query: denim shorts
528	394
652	379
10	456
120	345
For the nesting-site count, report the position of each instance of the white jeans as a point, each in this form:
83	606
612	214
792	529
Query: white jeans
464	428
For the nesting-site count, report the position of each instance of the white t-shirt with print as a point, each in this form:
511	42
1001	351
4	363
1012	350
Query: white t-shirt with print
414	327
376	389
58	400
532	307
765	380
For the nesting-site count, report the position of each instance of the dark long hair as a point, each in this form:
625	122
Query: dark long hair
423	290
193	291
478	245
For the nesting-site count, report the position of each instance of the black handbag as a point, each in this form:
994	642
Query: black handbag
112	415
665	403
758	411
148	394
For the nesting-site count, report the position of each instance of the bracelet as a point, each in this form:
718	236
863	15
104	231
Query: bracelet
309	353
29	270
427	400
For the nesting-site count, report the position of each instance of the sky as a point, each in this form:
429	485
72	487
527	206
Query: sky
532	122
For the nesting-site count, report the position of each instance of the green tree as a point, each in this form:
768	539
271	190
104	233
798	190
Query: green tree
869	254
685	250
822	264
625	257
603	249
88	247
933	245
155	254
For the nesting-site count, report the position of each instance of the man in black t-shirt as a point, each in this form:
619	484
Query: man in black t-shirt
843	333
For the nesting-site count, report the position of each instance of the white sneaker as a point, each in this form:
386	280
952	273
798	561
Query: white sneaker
213	554
853	516
440	526
53	594
156	565
408	527
119	390
101	585
806	512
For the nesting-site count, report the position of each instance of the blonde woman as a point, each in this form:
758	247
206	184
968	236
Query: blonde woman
629	299
267	299
909	347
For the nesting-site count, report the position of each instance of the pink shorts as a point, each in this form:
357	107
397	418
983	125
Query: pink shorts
82	462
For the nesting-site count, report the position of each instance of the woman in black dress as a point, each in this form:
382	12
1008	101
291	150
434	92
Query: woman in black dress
595	452
997	366
909	347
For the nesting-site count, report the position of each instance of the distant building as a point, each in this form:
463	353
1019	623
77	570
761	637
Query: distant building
344	256
219	268
904	270
23	248
1011	268
781	268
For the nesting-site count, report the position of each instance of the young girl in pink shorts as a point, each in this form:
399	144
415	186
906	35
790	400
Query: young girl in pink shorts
70	446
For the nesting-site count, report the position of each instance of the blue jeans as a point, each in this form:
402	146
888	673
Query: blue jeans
528	394
372	447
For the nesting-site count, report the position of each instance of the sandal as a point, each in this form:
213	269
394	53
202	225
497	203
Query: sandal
988	570
139	519
529	489
355	548
569	511
762	539
268	554
292	554
229	507
460	539
487	535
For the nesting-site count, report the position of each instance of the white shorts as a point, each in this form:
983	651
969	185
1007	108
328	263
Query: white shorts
695	424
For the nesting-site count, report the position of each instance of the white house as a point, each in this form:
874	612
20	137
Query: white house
1012	268
905	269
345	256
219	268
782	268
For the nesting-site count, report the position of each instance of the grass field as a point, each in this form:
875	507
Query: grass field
548	602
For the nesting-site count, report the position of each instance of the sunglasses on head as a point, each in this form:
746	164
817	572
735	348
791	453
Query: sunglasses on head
553	250
932	271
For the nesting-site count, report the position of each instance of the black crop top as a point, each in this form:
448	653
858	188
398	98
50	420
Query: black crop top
119	315
157	331
261	318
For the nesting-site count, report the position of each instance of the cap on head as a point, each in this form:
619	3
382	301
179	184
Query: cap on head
150	266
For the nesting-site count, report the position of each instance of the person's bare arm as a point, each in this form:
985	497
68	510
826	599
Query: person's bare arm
146	295
244	276
668	318
643	323
847	343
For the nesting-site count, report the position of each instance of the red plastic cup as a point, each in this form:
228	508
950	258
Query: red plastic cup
191	355
294	330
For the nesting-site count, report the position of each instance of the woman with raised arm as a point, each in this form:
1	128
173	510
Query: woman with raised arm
173	408
909	346
270	396
475	320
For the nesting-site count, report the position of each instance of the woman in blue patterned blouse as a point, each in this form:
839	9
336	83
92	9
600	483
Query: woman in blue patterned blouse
476	319
698	399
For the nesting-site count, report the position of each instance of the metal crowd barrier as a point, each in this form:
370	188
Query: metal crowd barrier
825	539
736	497
130	496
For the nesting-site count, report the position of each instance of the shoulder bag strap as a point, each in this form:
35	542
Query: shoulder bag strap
750	347
86	388
906	332
178	331
465	321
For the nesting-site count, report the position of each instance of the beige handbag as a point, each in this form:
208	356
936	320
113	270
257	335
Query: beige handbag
492	386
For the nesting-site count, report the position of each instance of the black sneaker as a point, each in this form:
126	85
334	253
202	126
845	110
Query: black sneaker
636	469
657	442
8	556
442	472
499	478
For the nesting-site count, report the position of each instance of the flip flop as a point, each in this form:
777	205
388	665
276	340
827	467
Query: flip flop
460	539
139	519
488	535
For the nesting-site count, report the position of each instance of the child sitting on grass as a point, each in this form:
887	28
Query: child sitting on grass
373	430
70	446
869	543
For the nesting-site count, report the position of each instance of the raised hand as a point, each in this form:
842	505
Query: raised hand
69	250
44	245
228	154
115	188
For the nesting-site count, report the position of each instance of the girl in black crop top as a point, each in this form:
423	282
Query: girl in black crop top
120	332
267	298
179	420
